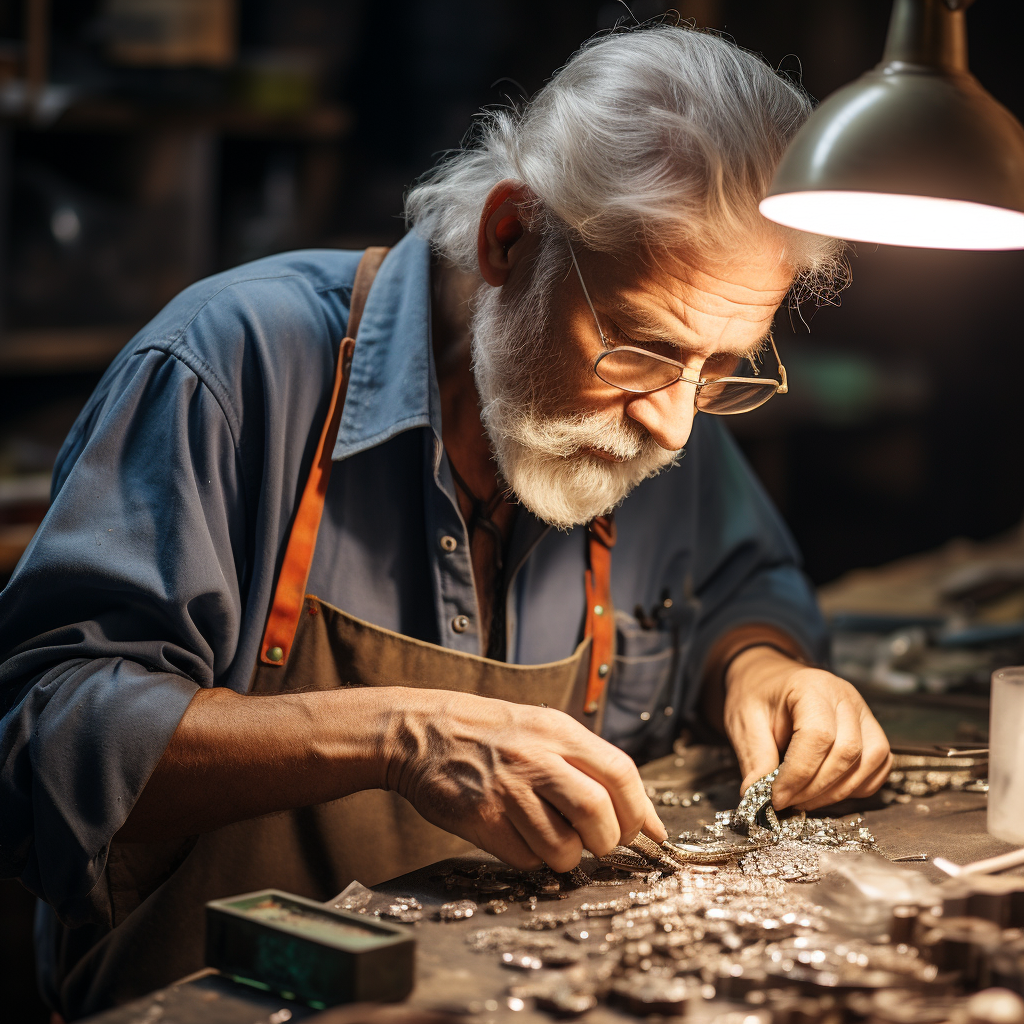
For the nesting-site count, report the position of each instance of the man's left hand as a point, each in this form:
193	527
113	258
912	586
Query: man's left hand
833	746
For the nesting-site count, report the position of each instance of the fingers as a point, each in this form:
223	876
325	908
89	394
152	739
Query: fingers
875	780
749	726
653	827
545	831
833	746
857	762
826	745
755	747
589	794
587	807
527	784
867	774
555	822
616	772
603	797
507	844
876	761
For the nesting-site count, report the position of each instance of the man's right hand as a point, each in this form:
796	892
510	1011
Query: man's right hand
528	784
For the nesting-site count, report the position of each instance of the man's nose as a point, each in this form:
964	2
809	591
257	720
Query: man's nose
667	414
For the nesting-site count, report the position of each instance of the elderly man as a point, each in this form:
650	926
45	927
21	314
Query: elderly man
184	719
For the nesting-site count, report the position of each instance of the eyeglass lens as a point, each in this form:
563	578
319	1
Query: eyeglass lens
730	397
638	372
634	371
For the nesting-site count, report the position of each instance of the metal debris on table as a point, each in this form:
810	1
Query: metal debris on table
457	910
924	769
903	785
710	922
710	915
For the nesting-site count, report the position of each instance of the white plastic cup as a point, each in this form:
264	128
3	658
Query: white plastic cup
1006	756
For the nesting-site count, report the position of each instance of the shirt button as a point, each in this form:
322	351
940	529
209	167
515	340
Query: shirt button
460	623
669	711
448	543
645	716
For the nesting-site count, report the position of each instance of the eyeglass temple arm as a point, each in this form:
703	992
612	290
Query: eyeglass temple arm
586	294
783	381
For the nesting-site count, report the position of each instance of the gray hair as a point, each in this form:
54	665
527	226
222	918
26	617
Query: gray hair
659	137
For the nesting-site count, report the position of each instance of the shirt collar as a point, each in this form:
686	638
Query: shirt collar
393	386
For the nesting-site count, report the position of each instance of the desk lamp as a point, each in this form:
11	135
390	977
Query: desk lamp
915	152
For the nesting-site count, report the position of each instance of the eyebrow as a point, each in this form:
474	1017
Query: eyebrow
644	323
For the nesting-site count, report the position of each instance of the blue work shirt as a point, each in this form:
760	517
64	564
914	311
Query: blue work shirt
153	570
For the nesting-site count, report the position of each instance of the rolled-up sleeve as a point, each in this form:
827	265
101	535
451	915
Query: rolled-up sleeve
128	599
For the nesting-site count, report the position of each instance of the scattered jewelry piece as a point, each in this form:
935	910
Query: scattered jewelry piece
710	915
626	859
905	784
457	911
404	909
355	897
755	807
650	993
658	854
565	993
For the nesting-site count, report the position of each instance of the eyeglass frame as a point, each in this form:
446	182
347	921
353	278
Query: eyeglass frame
781	385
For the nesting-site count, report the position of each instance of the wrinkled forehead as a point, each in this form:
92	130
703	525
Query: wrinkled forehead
722	304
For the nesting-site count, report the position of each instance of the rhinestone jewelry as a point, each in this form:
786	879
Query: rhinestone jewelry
457	911
713	914
755	808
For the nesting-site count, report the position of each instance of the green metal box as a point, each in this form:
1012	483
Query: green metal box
308	952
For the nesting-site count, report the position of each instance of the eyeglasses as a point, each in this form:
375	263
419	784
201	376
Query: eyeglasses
640	372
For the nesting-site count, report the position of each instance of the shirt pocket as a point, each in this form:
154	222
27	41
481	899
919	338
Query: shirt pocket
641	685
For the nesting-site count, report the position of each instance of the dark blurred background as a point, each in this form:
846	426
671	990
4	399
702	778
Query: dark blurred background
146	143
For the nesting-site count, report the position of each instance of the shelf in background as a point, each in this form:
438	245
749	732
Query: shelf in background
323	123
61	350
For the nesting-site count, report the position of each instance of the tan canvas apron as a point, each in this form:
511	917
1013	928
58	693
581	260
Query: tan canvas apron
156	892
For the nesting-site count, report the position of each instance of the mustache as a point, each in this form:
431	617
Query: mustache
562	437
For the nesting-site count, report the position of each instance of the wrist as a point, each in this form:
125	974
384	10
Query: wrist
761	662
403	733
351	729
728	648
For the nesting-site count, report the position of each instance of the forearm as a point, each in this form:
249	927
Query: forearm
508	777
237	756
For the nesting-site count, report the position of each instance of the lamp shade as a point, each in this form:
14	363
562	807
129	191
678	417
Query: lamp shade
915	152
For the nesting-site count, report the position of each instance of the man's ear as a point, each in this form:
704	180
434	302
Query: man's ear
501	227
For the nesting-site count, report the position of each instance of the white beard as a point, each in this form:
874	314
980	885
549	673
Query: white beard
541	457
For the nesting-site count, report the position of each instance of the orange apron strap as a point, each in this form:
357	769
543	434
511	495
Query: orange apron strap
600	625
298	556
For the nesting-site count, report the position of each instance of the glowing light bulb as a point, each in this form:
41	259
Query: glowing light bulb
910	220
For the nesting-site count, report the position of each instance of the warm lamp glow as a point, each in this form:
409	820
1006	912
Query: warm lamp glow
914	152
921	221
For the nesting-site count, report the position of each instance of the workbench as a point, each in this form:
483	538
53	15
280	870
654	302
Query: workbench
453	978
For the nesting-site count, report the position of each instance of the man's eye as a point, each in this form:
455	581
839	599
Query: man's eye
661	348
620	337
722	364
